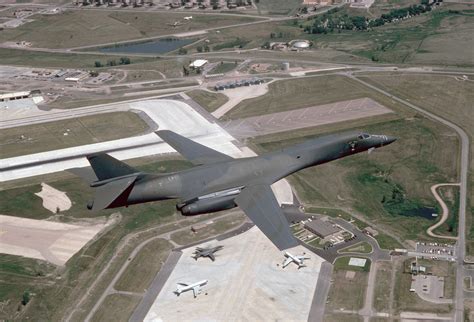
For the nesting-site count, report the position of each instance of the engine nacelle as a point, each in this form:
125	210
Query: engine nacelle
204	206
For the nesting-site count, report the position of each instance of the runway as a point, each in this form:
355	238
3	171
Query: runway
169	114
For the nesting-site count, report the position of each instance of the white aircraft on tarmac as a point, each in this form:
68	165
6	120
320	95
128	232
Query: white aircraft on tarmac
298	260
196	287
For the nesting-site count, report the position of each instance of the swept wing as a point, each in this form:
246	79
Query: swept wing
194	152
196	290
260	205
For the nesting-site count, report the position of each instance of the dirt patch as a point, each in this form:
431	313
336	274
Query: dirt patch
54	200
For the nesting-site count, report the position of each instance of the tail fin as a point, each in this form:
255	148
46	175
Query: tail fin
113	181
105	167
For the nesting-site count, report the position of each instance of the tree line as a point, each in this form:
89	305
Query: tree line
329	22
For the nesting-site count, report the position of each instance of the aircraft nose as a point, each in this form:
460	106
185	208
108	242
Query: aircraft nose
389	139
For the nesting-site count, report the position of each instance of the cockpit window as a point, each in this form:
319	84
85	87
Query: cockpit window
363	136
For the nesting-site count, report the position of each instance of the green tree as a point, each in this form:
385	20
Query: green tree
199	49
97	64
25	298
182	51
124	61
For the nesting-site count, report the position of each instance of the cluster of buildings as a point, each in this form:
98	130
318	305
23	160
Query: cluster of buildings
123	3
240	83
214	4
322	231
188	4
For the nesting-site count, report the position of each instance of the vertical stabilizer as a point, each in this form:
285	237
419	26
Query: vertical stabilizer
106	167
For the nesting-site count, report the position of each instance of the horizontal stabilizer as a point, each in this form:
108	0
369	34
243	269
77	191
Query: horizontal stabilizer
114	192
194	152
86	173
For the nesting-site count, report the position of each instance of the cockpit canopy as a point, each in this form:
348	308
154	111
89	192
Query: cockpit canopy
363	136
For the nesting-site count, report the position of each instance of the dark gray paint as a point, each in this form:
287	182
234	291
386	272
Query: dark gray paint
219	182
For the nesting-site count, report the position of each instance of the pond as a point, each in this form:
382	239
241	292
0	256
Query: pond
425	212
159	46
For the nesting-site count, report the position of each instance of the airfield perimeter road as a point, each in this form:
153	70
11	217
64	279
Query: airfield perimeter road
445	214
464	167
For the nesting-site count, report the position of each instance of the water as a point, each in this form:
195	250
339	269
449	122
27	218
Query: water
425	212
159	46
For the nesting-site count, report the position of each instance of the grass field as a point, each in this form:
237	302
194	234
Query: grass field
24	266
447	96
450	196
338	213
43	59
387	242
342	317
209	100
80	131
404	300
144	267
366	183
115	308
347	293
304	92
278	7
361	247
252	36
223	67
342	264
382	286
436	38
76	28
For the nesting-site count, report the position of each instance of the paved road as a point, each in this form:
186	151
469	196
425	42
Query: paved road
155	287
320	296
464	167
444	215
367	311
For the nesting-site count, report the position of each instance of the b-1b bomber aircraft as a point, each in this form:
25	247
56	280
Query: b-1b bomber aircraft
219	182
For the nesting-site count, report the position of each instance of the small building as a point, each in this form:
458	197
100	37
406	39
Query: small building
321	228
198	63
370	231
14	96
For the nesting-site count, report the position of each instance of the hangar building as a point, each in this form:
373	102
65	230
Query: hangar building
321	228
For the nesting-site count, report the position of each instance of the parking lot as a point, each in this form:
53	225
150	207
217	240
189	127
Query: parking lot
435	250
